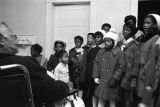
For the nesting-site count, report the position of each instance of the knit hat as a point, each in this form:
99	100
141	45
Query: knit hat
112	35
7	41
157	17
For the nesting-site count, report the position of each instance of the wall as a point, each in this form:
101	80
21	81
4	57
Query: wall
28	16
113	12
25	17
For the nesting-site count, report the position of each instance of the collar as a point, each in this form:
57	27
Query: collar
116	50
127	41
102	45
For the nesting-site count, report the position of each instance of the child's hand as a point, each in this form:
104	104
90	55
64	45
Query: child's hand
96	80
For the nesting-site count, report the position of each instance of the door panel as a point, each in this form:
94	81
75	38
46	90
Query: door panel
70	21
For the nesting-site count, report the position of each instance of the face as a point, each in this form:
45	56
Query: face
148	25
64	58
90	39
131	22
106	28
98	39
108	43
58	47
127	32
78	43
33	53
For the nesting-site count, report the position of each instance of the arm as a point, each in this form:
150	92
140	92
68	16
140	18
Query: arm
119	68
56	71
96	67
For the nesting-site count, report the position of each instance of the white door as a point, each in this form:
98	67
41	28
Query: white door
70	21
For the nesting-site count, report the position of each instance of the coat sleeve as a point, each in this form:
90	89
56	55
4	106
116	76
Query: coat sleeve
96	67
44	87
136	62
120	67
50	63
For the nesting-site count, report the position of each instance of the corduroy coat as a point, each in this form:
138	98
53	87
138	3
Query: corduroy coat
108	66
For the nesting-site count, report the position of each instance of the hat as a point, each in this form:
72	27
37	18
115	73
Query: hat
7	41
157	17
112	35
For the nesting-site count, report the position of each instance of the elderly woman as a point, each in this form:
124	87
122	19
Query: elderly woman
44	87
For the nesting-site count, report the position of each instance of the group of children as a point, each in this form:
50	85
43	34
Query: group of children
112	72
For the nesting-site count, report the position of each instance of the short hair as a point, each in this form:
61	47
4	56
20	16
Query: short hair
59	42
106	24
79	37
61	53
98	33
93	35
37	47
130	17
130	26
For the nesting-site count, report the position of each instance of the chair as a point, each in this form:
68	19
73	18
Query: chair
15	87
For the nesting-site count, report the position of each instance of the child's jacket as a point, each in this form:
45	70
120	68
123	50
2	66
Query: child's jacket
108	67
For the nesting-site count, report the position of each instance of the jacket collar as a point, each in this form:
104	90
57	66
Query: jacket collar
116	50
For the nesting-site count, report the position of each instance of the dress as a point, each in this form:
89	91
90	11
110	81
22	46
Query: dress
61	72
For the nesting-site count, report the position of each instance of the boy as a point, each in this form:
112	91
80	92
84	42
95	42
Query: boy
131	50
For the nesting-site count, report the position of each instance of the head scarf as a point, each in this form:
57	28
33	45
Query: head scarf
112	35
157	17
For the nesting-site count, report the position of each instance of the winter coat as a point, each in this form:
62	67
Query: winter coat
132	60
108	67
147	73
44	87
52	63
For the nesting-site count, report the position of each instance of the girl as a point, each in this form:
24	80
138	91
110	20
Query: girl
61	71
148	61
53	60
92	101
107	71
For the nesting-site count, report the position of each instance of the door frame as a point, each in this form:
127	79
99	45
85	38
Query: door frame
50	11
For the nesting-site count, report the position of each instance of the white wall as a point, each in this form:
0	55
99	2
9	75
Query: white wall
28	16
25	17
113	12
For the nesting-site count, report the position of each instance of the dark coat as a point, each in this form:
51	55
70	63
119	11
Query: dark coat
108	67
147	71
52	63
132	60
75	65
44	87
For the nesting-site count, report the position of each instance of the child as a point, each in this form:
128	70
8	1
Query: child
61	71
53	60
36	50
148	61
90	58
106	27
130	47
75	64
107	71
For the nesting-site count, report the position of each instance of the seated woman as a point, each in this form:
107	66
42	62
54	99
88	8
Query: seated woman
45	89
